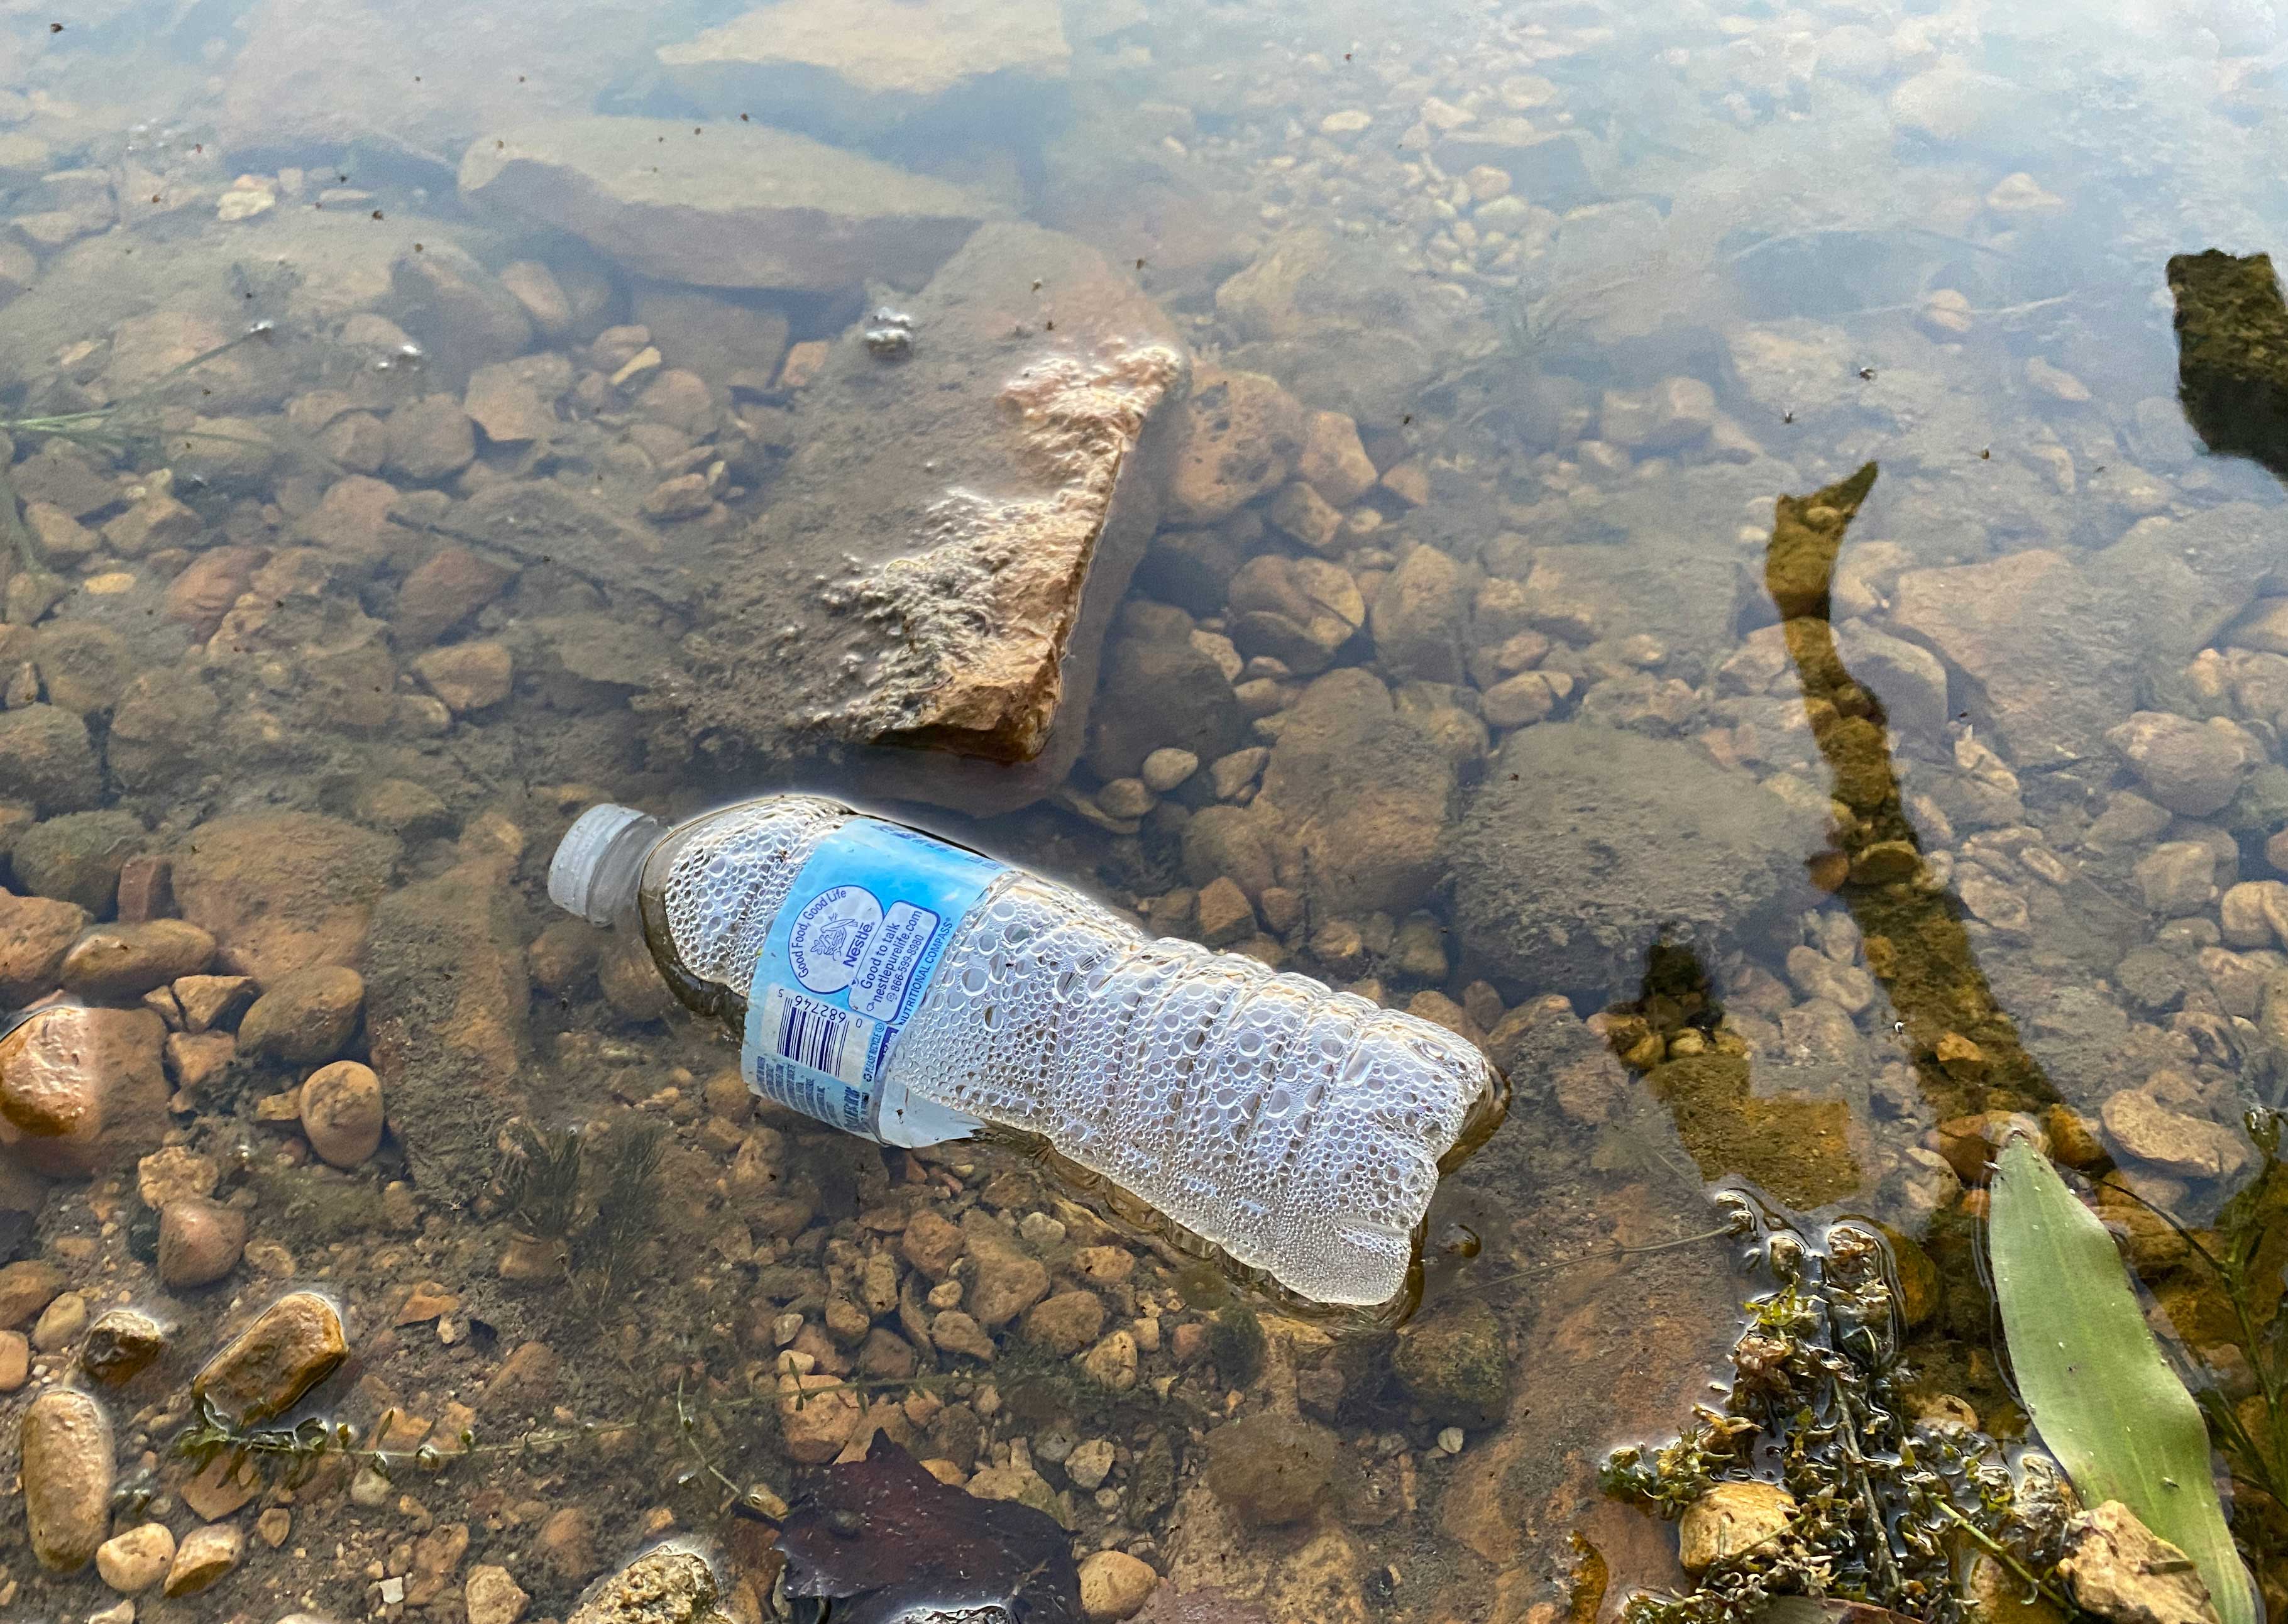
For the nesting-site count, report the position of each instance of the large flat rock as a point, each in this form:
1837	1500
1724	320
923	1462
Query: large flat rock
2053	647
1339	321
2047	666
419	77
939	558
445	1015
862	66
723	205
1586	846
1677	589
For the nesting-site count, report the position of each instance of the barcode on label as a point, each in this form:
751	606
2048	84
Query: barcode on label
820	1037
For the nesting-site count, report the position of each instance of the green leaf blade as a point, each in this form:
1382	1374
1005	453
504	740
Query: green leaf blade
2093	1378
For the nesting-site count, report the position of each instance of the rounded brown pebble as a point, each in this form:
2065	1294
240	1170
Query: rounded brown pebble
61	1323
1271	1469
15	1360
120	1344
2073	1140
1731	1518
931	1244
204	1557
563	956
1065	1323
69	1465
199	1242
26	1289
137	1560
631	982
1115	1584
121	962
341	1113
296	1343
305	1016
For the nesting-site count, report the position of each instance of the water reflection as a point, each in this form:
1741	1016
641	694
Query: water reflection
2230	329
1439	640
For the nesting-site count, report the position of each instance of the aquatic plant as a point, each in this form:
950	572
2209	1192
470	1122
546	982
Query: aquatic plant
2245	1253
542	1180
2248	1264
624	1207
210	1434
115	427
545	1178
1880	1503
1236	1344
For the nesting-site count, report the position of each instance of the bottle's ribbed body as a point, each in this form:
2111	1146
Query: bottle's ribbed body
1297	1128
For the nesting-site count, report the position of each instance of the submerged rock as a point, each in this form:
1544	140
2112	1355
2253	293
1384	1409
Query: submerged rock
859	67
121	962
660	1587
1454	1365
1297	611
1359	795
205	1557
287	92
880	1538
35	932
78	858
47	758
1160	696
280	891
719	337
2053	651
540	522
1342	322
1270	1469
2187	766
68	1464
446	998
304	1014
1237	438
1687	599
200	1242
82	1089
292	1346
1586	846
739	205
137	1560
121	1343
975	512
342	1113
2120	1569
1731	1519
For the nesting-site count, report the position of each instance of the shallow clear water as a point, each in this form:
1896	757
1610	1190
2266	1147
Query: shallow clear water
1733	556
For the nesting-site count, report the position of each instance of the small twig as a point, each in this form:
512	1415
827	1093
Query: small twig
2009	1558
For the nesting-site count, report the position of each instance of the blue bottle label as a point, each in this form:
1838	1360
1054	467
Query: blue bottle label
846	963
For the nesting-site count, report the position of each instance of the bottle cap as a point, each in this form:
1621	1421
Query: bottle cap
579	861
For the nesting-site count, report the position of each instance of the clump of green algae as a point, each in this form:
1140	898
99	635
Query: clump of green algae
1886	1506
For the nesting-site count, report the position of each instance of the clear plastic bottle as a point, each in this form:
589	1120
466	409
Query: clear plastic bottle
912	992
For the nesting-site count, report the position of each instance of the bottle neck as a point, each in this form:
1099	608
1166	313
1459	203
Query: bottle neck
598	866
619	872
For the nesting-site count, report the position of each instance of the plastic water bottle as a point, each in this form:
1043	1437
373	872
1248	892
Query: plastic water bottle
912	992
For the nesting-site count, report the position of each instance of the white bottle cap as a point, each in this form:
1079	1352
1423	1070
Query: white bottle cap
579	860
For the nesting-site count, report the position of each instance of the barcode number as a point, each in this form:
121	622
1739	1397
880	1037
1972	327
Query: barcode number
821	1037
